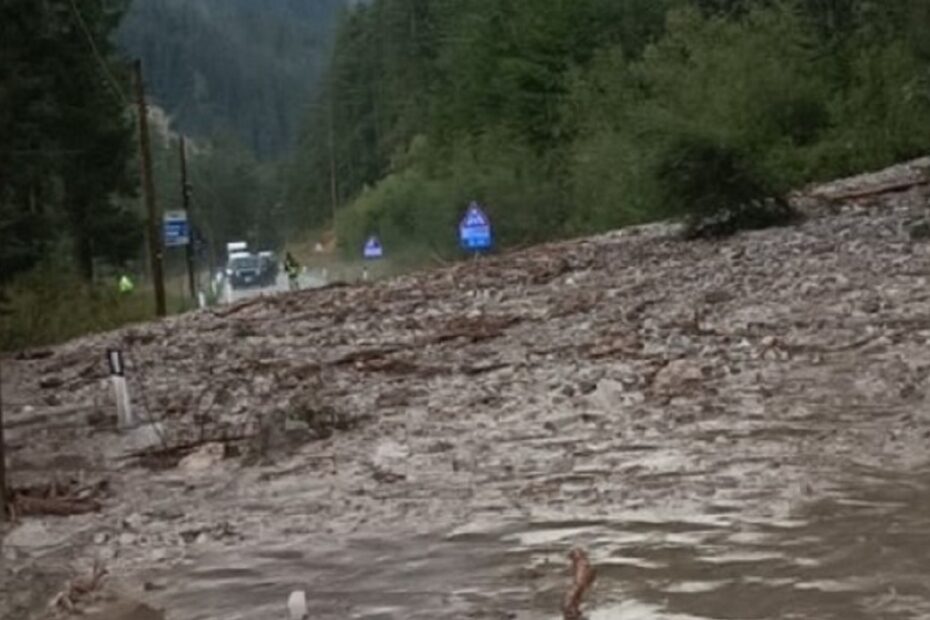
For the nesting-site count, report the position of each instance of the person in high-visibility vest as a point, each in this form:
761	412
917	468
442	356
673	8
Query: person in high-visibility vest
125	285
292	267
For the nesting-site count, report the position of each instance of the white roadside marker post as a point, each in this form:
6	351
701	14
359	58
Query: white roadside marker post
120	390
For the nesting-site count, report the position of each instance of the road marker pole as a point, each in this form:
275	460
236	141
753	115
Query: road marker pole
124	413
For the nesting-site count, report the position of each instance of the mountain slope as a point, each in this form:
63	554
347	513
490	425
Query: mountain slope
233	66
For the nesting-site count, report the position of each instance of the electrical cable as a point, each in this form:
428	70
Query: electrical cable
96	51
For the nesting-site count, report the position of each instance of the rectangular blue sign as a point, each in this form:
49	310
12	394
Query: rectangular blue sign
177	231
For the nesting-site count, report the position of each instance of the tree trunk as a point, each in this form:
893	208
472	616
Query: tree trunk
84	255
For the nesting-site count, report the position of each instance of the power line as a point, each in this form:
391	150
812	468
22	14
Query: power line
97	55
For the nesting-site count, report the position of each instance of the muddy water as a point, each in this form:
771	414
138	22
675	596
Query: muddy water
858	551
731	430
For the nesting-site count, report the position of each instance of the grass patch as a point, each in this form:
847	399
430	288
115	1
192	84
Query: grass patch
48	307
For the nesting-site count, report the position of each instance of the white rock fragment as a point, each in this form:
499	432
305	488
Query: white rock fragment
297	605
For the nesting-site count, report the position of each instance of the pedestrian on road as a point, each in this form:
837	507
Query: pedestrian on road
292	268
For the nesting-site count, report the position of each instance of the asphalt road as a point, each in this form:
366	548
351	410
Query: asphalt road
308	279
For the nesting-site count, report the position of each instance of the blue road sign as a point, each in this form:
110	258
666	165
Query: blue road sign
177	231
475	230
373	249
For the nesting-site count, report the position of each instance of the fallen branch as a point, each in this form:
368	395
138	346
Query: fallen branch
57	498
182	449
223	314
583	578
34	355
364	356
473	371
888	188
473	330
79	588
25	506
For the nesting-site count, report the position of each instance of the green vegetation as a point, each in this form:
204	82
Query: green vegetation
51	305
65	139
562	117
574	117
71	217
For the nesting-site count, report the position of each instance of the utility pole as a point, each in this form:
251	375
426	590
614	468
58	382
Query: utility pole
332	159
185	200
156	251
4	491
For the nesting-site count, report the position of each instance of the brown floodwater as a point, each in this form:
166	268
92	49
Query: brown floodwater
860	551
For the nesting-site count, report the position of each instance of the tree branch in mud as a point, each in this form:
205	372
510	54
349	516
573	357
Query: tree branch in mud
24	506
869	192
3	486
223	314
583	578
79	588
56	499
177	451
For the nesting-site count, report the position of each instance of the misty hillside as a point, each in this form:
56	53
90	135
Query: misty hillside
242	66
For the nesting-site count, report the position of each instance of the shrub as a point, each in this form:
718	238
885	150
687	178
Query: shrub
717	189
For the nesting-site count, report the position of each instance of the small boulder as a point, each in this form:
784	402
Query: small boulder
202	459
679	373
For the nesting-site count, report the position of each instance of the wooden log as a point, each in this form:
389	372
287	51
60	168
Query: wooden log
25	505
583	578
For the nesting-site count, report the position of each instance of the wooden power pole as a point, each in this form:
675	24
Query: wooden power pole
156	251
185	200
4	491
332	161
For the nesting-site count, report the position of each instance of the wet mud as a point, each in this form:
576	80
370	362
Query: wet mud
735	429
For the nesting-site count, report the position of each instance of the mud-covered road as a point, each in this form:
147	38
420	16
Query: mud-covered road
731	430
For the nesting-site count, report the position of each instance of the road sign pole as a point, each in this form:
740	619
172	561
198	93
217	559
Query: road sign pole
185	199
373	251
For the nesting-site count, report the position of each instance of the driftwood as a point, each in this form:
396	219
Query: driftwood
25	506
364	356
79	588
583	576
182	449
58	498
34	354
235	309
888	188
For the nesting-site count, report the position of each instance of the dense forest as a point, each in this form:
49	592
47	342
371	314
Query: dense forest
239	67
563	117
233	75
66	140
567	117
